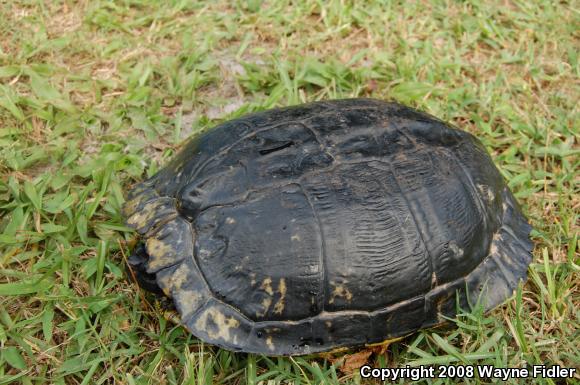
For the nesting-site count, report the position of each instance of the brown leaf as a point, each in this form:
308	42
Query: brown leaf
353	362
380	349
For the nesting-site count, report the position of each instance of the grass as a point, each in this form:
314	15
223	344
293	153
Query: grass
96	95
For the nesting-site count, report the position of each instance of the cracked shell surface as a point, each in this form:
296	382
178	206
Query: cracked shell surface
332	224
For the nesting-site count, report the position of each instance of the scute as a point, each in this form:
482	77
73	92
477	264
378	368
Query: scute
265	265
331	224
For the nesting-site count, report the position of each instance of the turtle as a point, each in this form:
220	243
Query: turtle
328	225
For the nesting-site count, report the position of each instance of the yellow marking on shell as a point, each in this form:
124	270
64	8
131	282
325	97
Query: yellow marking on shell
190	301
270	343
440	302
137	219
230	221
164	282
222	324
143	216
341	292
180	276
295	237
490	195
493	248
338	350
486	192
458	251
130	206
244	261
279	307
266	303
433	279
267	286
160	253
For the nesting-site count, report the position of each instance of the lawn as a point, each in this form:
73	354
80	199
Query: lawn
97	95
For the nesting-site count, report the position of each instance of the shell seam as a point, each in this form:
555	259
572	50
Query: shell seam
322	261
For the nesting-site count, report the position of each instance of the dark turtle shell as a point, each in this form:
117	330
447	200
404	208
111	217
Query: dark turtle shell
326	225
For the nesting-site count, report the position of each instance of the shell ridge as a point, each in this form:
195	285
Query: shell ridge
253	132
279	184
